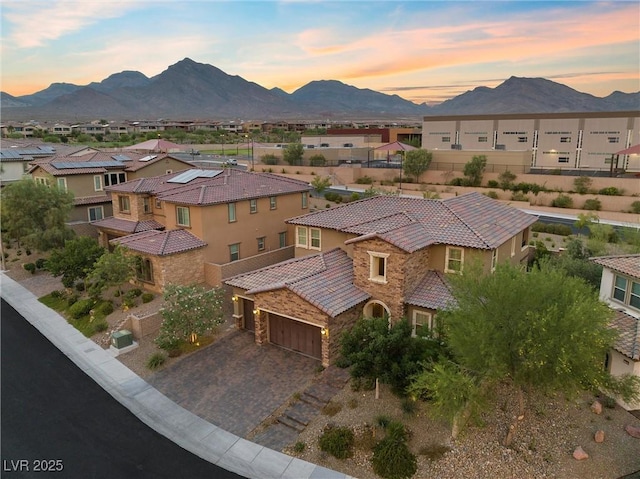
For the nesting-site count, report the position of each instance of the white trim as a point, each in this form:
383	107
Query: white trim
494	259
513	246
310	239
374	258
99	183
446	259
377	301
306	237
89	208
61	182
429	324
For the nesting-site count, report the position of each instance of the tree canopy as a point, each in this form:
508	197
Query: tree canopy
416	162
36	214
293	153
112	269
474	169
74	261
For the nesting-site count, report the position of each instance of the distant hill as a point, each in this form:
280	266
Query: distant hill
191	90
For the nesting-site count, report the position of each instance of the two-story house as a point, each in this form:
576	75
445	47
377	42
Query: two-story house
183	226
87	172
383	256
620	289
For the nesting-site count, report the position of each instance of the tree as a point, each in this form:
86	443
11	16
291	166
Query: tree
376	351
585	220
317	160
416	162
36	214
188	311
540	329
112	269
74	261
293	153
474	169
506	179
321	183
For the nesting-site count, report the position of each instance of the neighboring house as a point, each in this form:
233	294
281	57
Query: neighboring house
16	161
384	256
620	289
87	172
183	226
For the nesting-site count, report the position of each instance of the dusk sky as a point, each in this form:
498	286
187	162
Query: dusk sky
421	50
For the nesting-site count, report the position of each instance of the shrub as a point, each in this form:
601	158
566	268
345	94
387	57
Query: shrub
317	160
81	308
610	191
635	207
383	421
270	159
392	459
168	344
405	179
27	251
129	302
354	196
609	402
147	297
493	184
492	194
41	263
57	294
519	196
408	406
592	204
133	293
105	308
31	267
582	184
71	300
101	326
562	201
156	360
80	286
332	408
460	182
337	441
299	447
365	180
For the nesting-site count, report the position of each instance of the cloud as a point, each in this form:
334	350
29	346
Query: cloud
34	24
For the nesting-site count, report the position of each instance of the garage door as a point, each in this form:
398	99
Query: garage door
300	337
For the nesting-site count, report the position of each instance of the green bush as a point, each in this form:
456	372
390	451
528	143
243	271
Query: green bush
317	160
592	204
129	302
582	184
101	326
80	286
81	308
269	159
409	406
519	196
299	447
337	441
105	308
71	300
492	194
383	421
364	180
57	294
635	207
354	196
493	184
460	182
147	297
41	263
31	267
392	459
610	191
562	201
156	360
133	293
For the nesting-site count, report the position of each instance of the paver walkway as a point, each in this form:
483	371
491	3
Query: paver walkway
234	383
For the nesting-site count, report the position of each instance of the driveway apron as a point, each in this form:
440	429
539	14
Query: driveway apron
234	383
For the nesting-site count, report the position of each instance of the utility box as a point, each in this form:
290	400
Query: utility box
121	339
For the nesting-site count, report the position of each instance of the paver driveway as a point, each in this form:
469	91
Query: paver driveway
234	383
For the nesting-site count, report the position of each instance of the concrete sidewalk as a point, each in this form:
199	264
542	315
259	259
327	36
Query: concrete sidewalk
153	408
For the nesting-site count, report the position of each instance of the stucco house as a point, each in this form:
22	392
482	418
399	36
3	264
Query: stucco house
88	172
620	289
185	225
383	256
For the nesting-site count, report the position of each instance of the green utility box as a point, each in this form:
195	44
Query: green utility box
121	339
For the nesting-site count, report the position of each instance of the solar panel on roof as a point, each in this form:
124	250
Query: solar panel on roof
9	154
187	176
60	165
121	158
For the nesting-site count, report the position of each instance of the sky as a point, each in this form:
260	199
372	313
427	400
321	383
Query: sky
423	51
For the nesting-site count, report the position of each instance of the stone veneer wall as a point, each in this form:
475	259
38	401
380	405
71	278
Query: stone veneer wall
416	265
341	323
391	293
144	325
181	268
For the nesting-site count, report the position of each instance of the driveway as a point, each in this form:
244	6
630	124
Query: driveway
234	383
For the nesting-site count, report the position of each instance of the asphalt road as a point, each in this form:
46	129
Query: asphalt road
57	422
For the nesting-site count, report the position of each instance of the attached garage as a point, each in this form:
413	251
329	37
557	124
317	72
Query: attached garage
297	336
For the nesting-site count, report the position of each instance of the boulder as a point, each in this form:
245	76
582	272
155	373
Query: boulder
633	431
579	454
599	436
596	407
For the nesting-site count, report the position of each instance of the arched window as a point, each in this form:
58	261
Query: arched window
376	309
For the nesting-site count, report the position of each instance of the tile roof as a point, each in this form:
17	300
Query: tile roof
324	280
161	243
229	186
628	264
628	342
472	220
91	200
432	291
128	226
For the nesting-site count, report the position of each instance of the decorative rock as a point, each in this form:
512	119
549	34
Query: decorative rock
596	407
633	431
599	436
579	454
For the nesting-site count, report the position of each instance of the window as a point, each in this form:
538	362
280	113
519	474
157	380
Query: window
305	199
41	181
146	205
513	246
634	295
282	239
231	211
95	213
253	206
620	288
421	326
315	238
301	236
97	183
234	252
482	139
261	242
613	139
158	203
494	259
144	270
523	139
454	260
446	139
565	139
563	159
272	203
111	179
378	267
123	203
62	183
182	216
525	239
168	172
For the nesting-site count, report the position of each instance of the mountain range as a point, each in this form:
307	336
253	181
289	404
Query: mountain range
190	90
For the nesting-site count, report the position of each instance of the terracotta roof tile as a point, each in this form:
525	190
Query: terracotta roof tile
128	226
628	342
161	243
432	291
324	280
628	264
91	200
472	220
